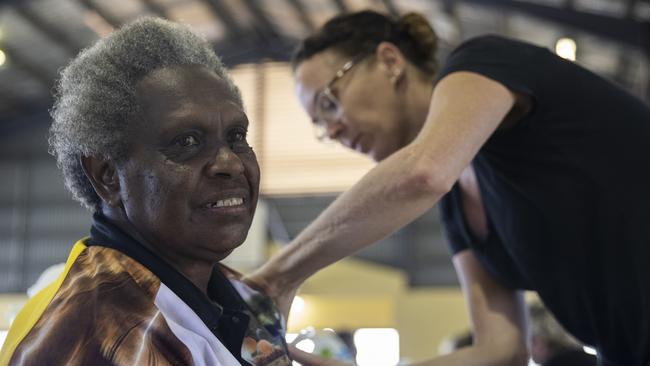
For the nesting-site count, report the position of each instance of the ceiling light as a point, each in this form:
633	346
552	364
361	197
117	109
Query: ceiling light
3	58
566	48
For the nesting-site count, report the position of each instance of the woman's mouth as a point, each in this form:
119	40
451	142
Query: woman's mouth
228	202
358	145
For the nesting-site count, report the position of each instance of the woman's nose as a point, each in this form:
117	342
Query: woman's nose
225	163
334	129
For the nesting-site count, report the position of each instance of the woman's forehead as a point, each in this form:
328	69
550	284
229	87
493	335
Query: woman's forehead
164	88
184	81
313	74
178	94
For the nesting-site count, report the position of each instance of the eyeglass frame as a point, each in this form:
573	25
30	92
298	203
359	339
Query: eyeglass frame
320	123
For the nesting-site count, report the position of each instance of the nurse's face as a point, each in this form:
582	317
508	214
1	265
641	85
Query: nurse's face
359	108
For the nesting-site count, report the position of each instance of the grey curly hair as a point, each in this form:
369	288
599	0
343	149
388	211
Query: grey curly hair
95	96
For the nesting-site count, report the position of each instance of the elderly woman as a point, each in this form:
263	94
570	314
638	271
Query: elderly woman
150	134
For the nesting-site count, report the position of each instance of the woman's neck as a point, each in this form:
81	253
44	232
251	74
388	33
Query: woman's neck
197	272
417	101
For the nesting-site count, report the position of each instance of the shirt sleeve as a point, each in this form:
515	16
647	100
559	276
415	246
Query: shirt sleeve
457	238
514	64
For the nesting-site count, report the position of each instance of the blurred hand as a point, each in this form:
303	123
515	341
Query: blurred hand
308	359
262	280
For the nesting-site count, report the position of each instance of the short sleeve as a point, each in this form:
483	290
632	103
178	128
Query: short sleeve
514	64
453	229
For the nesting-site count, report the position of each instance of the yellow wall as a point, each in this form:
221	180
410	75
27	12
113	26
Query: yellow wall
344	312
356	278
425	317
353	294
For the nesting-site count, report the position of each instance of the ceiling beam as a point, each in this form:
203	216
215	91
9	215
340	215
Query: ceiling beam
633	33
18	61
51	32
302	15
109	18
449	7
266	30
223	13
269	43
233	53
240	45
37	114
391	8
341	6
155	8
629	9
13	104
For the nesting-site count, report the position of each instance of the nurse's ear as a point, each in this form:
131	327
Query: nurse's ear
102	174
391	60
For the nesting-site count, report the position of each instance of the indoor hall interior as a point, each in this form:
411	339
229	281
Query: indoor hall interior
367	308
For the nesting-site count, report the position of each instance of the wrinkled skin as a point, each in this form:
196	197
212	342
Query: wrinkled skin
188	155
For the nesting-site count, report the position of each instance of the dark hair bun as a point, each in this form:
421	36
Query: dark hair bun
425	40
417	26
358	34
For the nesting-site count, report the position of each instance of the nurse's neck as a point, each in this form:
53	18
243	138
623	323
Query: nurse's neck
418	100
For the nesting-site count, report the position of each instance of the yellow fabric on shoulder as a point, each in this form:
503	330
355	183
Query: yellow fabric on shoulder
34	308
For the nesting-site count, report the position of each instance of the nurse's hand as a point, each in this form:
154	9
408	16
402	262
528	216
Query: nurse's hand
308	359
282	295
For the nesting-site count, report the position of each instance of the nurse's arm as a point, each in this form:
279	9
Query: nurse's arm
466	108
497	315
498	320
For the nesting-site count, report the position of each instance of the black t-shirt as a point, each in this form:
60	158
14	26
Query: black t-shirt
567	196
572	358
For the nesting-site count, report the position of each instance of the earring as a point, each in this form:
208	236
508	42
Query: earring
396	74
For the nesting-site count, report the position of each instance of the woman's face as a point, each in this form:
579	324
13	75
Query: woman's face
370	115
190	184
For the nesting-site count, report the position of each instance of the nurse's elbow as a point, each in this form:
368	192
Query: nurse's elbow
427	179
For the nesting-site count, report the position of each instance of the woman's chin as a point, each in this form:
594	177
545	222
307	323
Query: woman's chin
224	249
215	254
379	153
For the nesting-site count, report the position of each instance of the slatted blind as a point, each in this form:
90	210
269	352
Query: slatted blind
291	159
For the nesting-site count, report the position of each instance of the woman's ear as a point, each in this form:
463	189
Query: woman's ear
391	59
102	174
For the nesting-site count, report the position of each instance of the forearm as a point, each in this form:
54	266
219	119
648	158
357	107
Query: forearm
390	196
481	356
404	185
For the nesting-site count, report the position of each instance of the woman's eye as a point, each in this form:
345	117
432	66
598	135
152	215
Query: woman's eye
186	141
237	136
326	104
237	141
